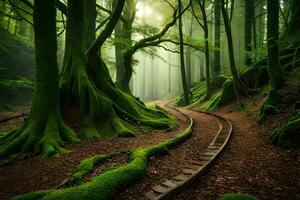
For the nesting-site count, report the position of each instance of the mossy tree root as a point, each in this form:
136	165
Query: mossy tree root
271	106
237	196
88	164
110	182
43	136
101	101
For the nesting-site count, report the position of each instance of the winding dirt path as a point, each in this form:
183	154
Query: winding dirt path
162	168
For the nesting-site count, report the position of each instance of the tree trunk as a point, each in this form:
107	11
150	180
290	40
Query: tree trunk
234	72
293	31
217	62
249	21
123	32
182	67
128	71
189	56
274	68
118	54
44	131
86	79
207	65
90	15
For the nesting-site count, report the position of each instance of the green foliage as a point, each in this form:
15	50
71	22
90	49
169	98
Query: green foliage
16	69
237	196
105	185
288	136
145	29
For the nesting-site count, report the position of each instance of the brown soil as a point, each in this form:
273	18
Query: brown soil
33	173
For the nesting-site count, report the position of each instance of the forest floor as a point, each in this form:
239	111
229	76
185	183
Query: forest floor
249	164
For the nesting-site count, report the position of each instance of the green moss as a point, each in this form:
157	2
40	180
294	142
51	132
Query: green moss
110	182
288	135
271	106
87	165
237	196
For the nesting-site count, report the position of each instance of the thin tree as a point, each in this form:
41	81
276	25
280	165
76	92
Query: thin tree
249	22
216	69
182	67
204	26
233	69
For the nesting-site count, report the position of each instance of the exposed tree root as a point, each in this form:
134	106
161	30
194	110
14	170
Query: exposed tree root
271	106
108	183
102	102
43	136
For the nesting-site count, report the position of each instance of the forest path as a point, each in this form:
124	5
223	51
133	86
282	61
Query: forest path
250	163
163	168
33	173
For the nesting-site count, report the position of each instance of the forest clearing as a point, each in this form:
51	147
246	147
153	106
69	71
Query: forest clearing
141	99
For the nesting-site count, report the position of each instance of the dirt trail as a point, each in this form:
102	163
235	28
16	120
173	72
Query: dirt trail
165	167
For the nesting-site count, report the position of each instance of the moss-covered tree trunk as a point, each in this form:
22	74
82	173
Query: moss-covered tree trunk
123	32
86	80
274	69
44	130
182	67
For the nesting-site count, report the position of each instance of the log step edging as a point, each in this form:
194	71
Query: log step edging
195	167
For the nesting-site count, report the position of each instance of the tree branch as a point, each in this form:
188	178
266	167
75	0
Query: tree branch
107	30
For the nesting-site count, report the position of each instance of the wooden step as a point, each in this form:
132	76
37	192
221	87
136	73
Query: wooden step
208	153
189	171
170	183
160	189
197	162
195	167
205	158
181	177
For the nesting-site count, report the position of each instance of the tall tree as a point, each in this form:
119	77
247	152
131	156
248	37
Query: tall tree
249	22
233	69
182	67
216	69
204	26
274	68
188	54
86	80
153	40
44	130
90	15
